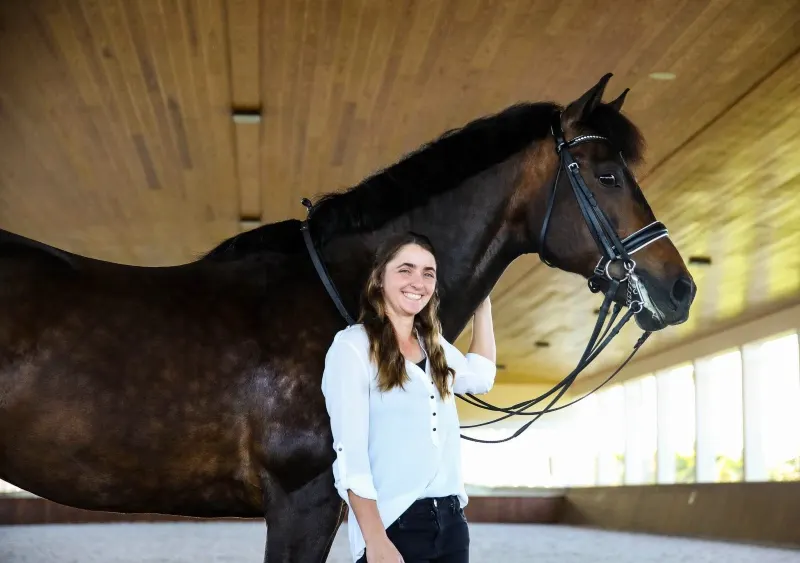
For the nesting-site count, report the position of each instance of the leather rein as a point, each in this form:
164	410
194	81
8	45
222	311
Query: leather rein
613	251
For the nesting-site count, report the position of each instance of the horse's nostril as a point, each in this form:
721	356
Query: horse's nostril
682	291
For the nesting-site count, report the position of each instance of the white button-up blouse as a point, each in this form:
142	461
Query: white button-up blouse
397	446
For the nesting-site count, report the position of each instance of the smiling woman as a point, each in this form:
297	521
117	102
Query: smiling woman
410	279
401	286
389	385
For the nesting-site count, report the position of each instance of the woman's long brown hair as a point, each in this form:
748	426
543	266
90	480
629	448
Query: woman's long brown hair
384	348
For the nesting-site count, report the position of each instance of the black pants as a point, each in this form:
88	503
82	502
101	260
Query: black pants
431	531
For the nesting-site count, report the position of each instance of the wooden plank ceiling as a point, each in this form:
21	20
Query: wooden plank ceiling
117	141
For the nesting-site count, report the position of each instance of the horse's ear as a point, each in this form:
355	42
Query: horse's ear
617	104
584	106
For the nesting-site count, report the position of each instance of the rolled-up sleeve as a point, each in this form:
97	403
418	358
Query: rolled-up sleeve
474	373
345	385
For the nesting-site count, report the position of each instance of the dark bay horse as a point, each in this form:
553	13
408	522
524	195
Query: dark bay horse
195	390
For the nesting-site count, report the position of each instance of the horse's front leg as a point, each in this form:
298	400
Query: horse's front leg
301	525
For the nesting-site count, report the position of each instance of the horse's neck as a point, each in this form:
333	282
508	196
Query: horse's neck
473	244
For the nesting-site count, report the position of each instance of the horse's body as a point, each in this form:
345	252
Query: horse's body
195	389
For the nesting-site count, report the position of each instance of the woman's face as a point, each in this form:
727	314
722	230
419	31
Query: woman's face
409	280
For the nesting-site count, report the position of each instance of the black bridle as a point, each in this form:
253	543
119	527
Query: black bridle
613	250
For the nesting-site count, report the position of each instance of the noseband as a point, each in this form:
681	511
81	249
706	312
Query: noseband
612	249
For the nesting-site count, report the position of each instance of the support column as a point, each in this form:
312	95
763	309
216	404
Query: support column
719	417
753	383
705	464
667	413
633	443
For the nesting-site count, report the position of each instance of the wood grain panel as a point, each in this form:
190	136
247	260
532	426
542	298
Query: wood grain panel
249	170
760	513
117	138
529	509
245	60
116	134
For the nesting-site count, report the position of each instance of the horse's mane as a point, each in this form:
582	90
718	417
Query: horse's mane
435	168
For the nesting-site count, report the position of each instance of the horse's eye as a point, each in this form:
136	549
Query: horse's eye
608	180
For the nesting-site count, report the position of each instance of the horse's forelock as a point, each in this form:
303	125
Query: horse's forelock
622	133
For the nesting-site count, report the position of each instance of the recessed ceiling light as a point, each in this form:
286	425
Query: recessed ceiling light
701	260
662	75
246	116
